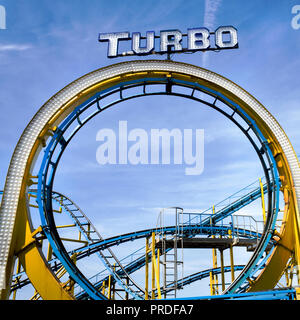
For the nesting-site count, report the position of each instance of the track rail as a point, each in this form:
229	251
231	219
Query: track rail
47	130
85	226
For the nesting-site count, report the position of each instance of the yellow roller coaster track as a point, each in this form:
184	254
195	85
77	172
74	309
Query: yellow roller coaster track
17	236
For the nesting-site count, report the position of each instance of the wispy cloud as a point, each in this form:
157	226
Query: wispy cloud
210	12
14	47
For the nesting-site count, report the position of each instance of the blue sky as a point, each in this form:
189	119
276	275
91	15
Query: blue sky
48	44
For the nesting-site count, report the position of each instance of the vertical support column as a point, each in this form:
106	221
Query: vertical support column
158	265
153	270
222	269
215	265
88	229
215	276
231	257
109	287
262	200
175	251
114	285
147	270
164	265
157	274
211	284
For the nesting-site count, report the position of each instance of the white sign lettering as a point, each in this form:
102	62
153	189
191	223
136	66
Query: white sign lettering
171	41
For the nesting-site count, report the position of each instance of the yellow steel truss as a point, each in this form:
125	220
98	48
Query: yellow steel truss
26	246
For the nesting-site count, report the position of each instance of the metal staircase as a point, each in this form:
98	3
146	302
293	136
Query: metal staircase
172	252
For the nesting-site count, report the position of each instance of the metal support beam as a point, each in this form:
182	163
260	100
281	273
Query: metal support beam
231	257
153	270
222	269
147	270
262	200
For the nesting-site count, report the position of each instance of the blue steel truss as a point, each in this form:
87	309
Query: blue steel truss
51	159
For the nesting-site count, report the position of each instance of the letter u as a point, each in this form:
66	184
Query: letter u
136	43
